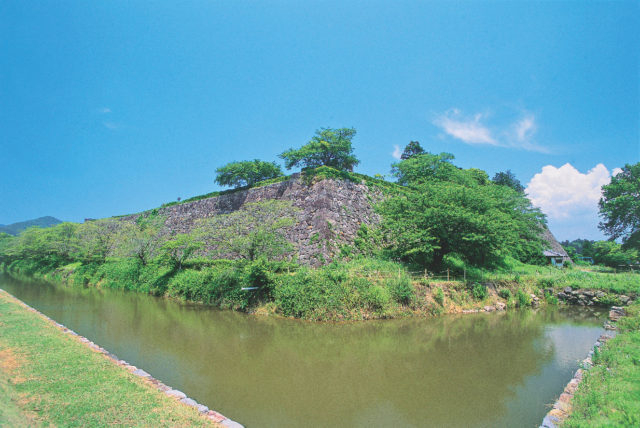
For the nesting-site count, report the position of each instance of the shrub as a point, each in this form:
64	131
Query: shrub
546	283
299	295
259	273
522	298
119	274
377	298
479	291
190	285
401	289
505	293
550	298
438	295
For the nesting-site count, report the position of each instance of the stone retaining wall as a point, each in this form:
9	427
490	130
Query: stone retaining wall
591	297
330	212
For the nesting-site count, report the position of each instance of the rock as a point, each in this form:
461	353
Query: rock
489	308
568	290
600	294
562	296
550	421
231	424
176	393
616	313
609	326
189	402
588	293
202	408
501	306
624	299
141	373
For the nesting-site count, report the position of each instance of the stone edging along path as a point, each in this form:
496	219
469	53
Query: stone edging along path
562	407
165	389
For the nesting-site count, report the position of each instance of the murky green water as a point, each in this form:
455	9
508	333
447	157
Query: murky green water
484	370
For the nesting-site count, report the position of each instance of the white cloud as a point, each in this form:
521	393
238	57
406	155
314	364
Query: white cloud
469	130
397	151
569	198
616	171
473	130
525	128
565	191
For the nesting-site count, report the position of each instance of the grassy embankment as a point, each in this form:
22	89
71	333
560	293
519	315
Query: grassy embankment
346	290
362	283
609	394
49	378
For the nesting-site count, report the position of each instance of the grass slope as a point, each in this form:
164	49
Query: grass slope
51	379
609	394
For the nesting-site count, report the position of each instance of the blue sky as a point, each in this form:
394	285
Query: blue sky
115	107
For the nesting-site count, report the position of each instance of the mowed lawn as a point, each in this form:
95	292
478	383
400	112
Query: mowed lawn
49	378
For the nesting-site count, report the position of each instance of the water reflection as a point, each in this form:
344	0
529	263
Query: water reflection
474	370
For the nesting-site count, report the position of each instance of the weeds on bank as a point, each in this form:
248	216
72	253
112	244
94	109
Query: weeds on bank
609	394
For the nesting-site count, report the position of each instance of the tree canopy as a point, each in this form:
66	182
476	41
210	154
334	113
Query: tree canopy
508	178
328	147
620	207
412	149
246	173
448	211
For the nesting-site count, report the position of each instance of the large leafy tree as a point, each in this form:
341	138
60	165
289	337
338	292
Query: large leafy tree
246	173
329	147
508	178
412	149
141	239
450	211
620	207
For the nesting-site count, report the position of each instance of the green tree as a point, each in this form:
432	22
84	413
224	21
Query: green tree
177	250
620	207
424	167
508	179
256	230
412	149
450	211
612	254
246	173
140	239
98	238
329	147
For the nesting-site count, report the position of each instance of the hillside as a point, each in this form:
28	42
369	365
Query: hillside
330	212
16	228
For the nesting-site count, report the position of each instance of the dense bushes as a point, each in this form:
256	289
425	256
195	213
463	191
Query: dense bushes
339	291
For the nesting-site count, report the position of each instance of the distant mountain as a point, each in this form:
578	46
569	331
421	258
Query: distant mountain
16	228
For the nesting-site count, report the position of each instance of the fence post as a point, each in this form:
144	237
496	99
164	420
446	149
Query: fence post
464	273
447	275
425	274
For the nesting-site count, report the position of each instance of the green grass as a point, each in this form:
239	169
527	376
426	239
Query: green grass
609	394
49	378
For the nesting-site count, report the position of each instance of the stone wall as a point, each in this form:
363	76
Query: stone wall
330	213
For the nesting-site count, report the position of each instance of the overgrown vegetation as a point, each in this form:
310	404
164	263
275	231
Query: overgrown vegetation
609	394
606	253
436	217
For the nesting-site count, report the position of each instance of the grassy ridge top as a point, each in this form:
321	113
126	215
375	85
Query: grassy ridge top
308	176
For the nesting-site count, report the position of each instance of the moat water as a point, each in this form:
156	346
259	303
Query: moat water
479	370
